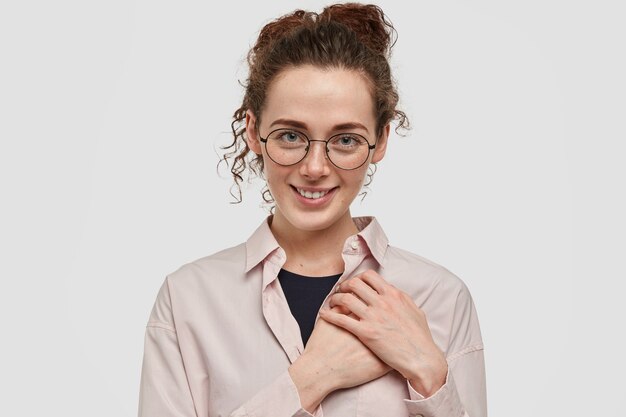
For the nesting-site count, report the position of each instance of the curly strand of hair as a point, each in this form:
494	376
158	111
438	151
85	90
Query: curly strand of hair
402	122
238	156
371	170
267	196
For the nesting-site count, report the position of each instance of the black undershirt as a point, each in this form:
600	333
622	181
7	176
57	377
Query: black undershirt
305	296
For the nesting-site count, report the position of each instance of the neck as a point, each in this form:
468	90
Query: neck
313	252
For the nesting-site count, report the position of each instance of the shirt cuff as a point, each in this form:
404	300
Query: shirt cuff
445	402
279	399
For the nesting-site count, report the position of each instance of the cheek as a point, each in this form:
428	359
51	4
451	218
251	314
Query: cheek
274	175
355	180
361	177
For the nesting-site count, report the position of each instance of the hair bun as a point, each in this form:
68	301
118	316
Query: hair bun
280	27
368	21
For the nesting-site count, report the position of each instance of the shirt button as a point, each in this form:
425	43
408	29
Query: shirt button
354	245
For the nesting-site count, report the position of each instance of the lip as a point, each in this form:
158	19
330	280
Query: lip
308	202
313	189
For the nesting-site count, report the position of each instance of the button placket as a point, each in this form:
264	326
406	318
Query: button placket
275	308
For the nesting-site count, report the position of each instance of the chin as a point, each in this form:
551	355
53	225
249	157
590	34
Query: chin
311	220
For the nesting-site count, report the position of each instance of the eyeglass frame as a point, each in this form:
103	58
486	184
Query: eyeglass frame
308	147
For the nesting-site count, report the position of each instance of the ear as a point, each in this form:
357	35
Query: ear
381	145
252	135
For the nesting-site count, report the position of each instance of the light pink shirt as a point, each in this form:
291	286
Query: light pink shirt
221	337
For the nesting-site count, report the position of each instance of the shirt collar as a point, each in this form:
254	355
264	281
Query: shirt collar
373	235
260	245
262	242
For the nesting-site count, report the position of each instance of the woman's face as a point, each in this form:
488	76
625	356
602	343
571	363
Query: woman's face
319	103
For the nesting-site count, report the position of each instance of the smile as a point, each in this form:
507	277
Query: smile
313	195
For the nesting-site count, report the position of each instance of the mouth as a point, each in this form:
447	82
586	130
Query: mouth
316	194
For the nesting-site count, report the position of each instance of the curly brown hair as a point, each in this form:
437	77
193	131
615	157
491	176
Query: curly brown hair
349	36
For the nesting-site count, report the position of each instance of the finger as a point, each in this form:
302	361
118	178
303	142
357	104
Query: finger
375	281
341	309
350	324
350	301
344	310
361	289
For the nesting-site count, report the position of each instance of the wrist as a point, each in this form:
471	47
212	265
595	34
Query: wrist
428	382
311	381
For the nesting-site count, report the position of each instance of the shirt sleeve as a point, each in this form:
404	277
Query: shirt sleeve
164	389
279	399
462	395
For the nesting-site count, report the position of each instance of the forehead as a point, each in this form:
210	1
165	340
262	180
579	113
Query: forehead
320	97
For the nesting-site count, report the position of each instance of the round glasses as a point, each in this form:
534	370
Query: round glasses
344	150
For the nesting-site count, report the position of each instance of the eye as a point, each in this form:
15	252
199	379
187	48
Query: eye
290	137
286	136
347	141
287	139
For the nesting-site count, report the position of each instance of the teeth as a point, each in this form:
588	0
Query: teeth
315	195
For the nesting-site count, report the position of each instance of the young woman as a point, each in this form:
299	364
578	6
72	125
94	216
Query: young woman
315	314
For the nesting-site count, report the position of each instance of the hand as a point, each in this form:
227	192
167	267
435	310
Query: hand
333	359
389	322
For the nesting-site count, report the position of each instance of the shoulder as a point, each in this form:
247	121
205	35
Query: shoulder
416	269
187	292
228	262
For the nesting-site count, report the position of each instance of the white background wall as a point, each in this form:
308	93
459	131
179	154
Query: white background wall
512	178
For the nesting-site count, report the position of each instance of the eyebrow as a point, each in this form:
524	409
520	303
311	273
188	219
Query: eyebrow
300	125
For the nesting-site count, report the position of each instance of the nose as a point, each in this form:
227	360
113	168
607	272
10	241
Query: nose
316	163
